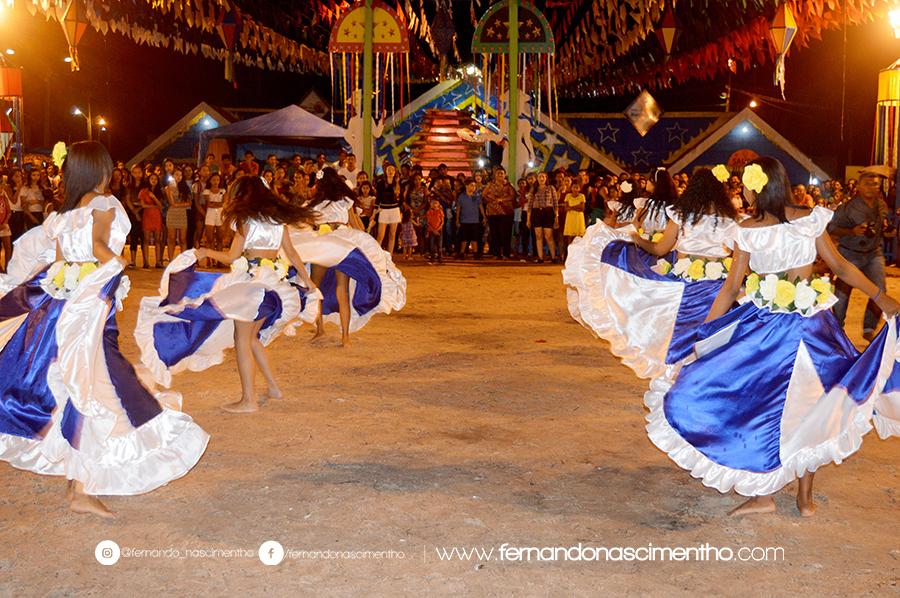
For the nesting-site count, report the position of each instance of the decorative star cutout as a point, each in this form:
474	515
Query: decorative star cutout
676	132
641	156
608	132
550	139
389	140
563	160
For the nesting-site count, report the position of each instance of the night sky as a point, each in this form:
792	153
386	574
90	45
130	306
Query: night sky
142	91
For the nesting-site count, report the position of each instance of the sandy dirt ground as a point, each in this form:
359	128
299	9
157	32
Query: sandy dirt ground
482	414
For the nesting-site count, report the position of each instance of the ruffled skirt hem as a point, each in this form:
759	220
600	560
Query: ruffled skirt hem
747	483
145	458
588	304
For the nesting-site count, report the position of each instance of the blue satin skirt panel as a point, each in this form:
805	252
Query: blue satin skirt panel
729	403
696	300
367	294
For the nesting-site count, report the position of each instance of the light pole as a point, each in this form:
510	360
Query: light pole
76	111
104	128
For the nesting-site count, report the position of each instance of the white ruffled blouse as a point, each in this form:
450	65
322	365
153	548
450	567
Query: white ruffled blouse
73	230
262	236
334	211
781	247
711	237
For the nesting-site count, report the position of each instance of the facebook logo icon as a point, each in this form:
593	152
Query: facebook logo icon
271	552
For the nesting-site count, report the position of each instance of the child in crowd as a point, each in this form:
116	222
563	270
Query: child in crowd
469	216
365	200
434	229
151	218
574	226
214	200
407	233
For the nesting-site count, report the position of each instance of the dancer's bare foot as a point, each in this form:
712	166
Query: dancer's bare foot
273	393
805	505
319	334
242	406
345	341
70	490
90	505
757	504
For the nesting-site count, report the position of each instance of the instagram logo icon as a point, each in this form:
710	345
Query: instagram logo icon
107	552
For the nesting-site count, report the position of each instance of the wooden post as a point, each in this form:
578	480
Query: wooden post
368	144
513	138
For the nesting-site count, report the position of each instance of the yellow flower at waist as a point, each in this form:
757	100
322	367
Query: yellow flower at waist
752	283
754	178
60	277
86	268
785	292
727	263
697	269
657	237
267	263
662	267
324	229
823	298
821	285
721	173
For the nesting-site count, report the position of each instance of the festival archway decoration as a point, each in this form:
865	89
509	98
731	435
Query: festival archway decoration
11	91
346	46
517	51
886	145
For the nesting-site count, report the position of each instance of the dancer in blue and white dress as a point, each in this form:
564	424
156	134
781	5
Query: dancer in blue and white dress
357	277
639	296
650	216
778	390
70	403
198	315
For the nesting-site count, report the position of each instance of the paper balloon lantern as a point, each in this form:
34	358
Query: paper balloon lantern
666	31
783	29
74	23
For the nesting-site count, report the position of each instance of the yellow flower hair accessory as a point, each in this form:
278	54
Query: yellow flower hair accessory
59	153
721	173
754	178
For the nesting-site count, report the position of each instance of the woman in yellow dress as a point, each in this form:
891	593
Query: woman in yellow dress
574	218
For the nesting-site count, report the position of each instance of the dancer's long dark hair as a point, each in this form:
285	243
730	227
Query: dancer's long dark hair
248	198
86	165
664	193
331	187
777	192
704	196
628	209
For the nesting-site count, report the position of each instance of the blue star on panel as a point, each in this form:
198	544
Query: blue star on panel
676	132
641	156
608	132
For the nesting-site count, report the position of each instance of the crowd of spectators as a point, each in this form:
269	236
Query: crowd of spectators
434	214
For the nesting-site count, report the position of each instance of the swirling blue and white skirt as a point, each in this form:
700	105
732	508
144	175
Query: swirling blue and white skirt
376	285
72	405
648	319
776	395
190	324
